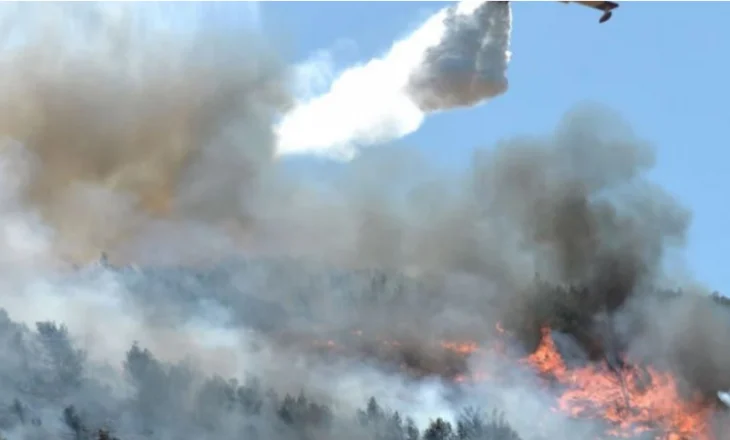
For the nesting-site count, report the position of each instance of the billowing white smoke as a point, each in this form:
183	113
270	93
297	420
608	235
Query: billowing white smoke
457	58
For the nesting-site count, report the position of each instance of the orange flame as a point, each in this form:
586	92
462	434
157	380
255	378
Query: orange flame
462	348
632	400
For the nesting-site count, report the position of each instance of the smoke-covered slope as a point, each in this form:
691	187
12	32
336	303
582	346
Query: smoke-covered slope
394	280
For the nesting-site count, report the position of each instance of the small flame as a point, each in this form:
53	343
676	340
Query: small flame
462	348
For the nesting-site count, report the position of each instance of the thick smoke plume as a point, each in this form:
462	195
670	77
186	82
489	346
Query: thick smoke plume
457	58
158	147
117	124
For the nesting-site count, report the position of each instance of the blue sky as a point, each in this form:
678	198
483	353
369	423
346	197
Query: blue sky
662	66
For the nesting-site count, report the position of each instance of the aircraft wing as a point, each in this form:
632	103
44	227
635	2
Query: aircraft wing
606	7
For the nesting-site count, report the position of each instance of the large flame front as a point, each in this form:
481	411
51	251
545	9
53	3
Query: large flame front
632	400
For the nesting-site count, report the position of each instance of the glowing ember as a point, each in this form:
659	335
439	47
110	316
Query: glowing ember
462	348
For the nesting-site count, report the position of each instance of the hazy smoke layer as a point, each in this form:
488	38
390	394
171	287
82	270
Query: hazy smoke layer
157	147
456	58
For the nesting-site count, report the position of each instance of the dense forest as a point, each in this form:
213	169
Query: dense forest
51	389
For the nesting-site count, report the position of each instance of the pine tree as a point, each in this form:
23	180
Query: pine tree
439	430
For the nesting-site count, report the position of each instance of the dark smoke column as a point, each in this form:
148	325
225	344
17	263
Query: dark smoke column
469	64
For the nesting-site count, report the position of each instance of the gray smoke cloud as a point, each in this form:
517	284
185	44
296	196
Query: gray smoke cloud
159	148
